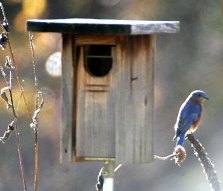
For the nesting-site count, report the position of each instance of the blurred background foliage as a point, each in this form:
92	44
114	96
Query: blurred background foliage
191	59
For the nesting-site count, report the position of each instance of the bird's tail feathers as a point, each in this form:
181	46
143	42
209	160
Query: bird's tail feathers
175	137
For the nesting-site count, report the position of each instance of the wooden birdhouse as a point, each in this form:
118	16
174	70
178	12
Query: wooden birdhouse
107	87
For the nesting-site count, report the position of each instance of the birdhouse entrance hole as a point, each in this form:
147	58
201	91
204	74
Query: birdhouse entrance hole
98	59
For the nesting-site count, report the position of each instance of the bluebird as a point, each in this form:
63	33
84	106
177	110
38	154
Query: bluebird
189	115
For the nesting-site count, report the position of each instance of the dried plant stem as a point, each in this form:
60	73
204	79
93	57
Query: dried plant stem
207	165
17	136
18	80
3	11
20	157
169	157
36	142
33	59
36	161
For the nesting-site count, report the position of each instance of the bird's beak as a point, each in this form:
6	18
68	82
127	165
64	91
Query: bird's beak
206	97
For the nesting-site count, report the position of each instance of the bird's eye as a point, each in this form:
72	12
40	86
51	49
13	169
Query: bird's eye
199	95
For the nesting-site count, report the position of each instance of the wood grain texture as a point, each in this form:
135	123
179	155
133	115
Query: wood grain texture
66	139
109	116
95	39
134	114
95	113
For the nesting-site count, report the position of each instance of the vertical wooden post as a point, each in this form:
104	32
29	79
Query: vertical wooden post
66	141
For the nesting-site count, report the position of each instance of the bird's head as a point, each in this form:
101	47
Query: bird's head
199	96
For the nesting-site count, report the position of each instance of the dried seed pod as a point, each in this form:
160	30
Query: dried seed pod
33	125
180	154
5	25
8	132
2	72
8	62
5	97
3	41
11	126
36	112
6	135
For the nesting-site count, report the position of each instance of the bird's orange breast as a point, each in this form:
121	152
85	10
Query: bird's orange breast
194	126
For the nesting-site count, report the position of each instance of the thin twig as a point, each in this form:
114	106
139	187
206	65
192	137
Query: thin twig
169	157
18	80
34	119
3	11
36	161
20	157
31	39
17	138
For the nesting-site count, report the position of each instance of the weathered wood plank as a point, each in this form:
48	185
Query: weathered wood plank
111	116
134	115
95	114
66	139
103	26
95	39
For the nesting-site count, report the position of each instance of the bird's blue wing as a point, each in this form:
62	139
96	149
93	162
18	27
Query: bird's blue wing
183	125
188	115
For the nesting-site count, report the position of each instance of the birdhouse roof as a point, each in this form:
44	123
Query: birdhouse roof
102	26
